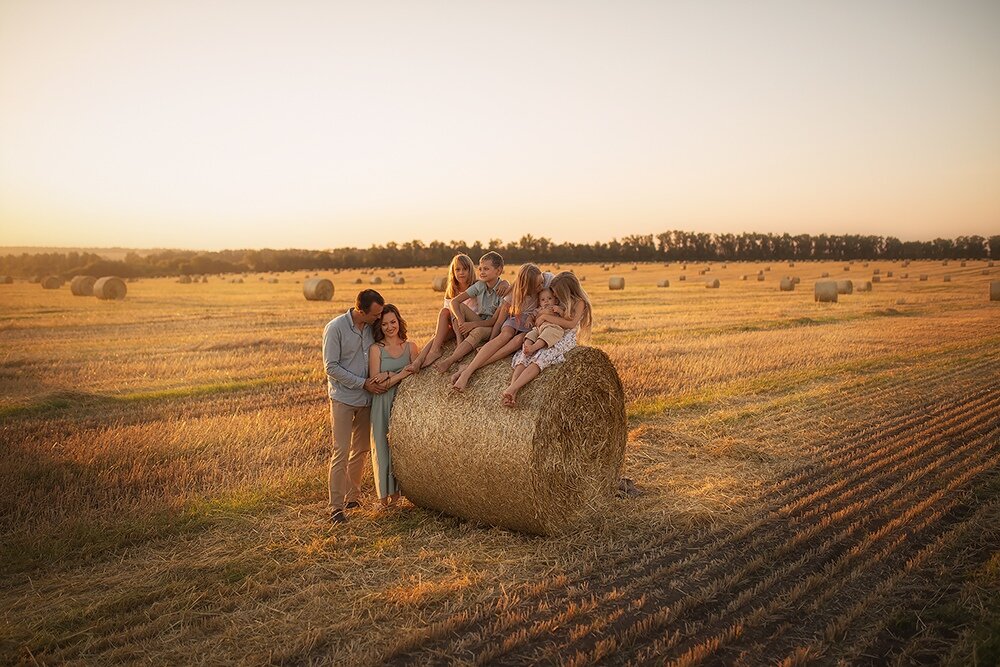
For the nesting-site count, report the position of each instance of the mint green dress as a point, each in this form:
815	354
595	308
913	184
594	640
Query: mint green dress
385	482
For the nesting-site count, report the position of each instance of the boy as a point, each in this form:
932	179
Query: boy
472	328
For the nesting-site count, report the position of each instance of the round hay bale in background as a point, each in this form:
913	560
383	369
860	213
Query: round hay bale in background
544	467
904	275
51	282
760	277
825	291
583	279
399	280
272	281
845	287
6	280
990	265
876	279
682	278
906	263
712	284
962	265
440	284
616	282
847	268
923	277
786	285
110	288
204	279
863	286
82	285
376	280
318	289
744	277
796	280
947	278
392	274
663	283
635	268
876	272
995	290
865	265
888	274
986	272
357	281
825	275
791	264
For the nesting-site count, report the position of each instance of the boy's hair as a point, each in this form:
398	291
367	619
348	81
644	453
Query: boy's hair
495	259
567	288
378	334
366	298
452	290
523	294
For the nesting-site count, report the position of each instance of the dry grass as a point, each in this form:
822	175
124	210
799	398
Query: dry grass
164	465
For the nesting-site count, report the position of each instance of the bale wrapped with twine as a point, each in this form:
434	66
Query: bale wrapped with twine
318	289
82	285
110	288
663	283
826	291
616	283
712	284
845	287
543	467
786	285
995	290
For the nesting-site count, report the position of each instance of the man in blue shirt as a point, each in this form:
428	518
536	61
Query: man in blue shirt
346	340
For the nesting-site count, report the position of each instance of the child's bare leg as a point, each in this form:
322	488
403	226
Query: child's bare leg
533	347
510	348
485	353
506	396
530	372
443	332
460	351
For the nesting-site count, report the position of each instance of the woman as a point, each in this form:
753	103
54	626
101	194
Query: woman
387	361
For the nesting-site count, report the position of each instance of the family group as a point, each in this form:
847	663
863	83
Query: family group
537	319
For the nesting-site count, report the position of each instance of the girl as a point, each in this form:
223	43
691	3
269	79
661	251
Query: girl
387	360
518	310
576	304
461	274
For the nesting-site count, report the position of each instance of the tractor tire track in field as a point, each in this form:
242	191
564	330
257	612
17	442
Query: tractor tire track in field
880	494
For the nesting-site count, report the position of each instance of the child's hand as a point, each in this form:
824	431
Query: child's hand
465	327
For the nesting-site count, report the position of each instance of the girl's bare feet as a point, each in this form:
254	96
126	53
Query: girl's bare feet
441	367
432	356
509	398
460	384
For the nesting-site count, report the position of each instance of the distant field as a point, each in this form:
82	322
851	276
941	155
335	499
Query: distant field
821	482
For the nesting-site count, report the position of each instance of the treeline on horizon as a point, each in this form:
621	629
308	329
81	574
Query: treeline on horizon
665	247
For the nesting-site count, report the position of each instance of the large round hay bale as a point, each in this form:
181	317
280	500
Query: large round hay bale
796	280
318	289
760	276
82	285
712	284
440	284
184	280
786	285
995	290
399	280
876	279
51	282
6	280
663	283
616	282
110	288
863	286
544	467
845	287
826	291
375	280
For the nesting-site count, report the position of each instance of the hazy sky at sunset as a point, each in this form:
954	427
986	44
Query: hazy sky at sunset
251	123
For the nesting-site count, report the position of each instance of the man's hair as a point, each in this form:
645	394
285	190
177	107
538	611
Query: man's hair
495	259
366	298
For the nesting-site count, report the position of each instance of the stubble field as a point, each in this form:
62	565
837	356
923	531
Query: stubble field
820	483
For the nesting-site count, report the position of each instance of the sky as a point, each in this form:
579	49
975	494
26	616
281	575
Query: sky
320	124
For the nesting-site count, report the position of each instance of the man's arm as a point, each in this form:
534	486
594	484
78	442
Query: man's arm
331	359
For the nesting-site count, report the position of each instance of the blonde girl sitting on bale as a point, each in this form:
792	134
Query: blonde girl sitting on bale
577	315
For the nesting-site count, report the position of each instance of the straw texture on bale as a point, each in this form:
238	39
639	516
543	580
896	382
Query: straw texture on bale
826	291
786	285
863	286
544	467
440	284
712	284
845	287
82	285
616	282
663	283
318	289
51	282
110	288
995	290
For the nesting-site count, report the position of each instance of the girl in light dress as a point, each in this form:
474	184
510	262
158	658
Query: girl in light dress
532	359
388	361
461	274
515	320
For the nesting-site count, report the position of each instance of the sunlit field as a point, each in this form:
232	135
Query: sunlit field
820	481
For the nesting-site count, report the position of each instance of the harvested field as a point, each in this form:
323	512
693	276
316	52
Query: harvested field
821	485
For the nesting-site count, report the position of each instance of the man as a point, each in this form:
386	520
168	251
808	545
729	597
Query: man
346	340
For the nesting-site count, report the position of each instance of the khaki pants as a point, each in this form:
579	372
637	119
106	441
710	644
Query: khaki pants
352	434
479	334
550	333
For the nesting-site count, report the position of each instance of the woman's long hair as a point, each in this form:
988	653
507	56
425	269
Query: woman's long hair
454	289
524	292
378	334
567	288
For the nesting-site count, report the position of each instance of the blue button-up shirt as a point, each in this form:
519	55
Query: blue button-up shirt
345	355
